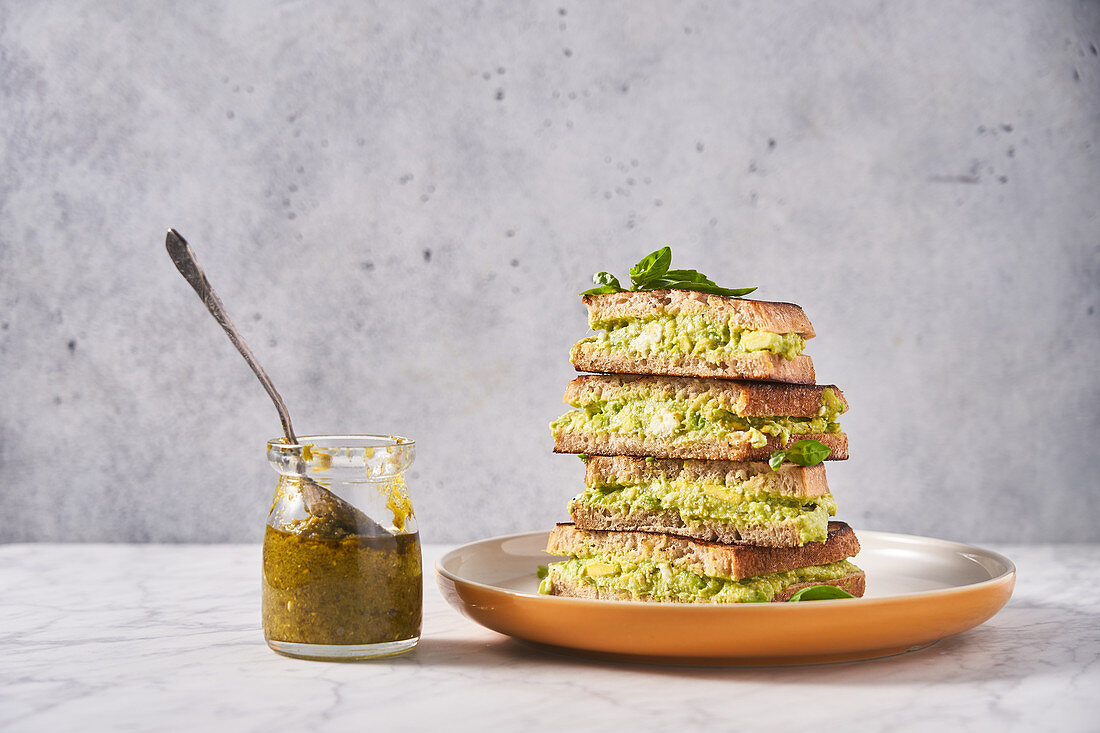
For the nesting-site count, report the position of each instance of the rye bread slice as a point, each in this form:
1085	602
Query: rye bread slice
757	365
669	521
737	448
787	480
759	315
746	399
704	558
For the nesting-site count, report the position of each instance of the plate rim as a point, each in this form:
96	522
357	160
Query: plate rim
1009	572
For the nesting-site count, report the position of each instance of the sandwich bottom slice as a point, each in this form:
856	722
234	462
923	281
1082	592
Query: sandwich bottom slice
647	566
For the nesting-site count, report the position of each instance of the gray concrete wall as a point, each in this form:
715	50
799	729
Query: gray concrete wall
399	203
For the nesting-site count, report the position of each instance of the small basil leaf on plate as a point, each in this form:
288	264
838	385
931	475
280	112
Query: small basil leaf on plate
820	593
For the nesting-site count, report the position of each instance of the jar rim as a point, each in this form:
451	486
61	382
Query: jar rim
342	457
342	441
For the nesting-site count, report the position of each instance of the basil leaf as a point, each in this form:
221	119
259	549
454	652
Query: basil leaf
808	452
777	459
712	288
652	273
700	287
607	283
820	593
657	284
543	571
651	267
688	276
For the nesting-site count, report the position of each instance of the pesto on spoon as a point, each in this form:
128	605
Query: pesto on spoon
336	514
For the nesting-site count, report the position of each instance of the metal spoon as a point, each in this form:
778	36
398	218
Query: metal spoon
337	516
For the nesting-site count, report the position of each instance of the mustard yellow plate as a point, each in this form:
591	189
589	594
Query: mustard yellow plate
919	590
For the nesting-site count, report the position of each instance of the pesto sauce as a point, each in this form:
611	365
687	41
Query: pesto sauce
349	590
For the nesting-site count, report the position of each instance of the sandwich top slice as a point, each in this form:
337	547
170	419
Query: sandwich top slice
645	566
718	501
687	333
686	417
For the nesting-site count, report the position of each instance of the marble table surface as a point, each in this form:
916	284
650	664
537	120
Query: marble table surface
167	637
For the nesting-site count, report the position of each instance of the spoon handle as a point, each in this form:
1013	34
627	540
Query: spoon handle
184	260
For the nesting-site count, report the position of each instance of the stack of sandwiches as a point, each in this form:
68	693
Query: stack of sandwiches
695	393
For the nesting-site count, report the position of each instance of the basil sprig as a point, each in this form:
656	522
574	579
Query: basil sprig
820	593
652	273
608	284
805	453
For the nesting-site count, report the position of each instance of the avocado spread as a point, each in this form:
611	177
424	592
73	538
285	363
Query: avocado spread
704	503
690	335
660	581
643	414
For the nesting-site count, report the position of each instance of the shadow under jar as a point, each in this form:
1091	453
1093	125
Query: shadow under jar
342	572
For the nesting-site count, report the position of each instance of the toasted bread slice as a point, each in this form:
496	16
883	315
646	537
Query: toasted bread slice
669	521
747	314
713	359
855	583
787	480
737	448
672	440
746	399
589	357
708	481
710	559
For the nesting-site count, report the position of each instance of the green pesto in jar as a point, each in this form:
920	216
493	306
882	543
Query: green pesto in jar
350	590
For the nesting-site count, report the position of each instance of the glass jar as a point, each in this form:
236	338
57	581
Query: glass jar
342	575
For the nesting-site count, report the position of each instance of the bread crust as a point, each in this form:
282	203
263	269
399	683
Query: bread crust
746	399
756	365
855	583
760	315
705	558
787	480
613	444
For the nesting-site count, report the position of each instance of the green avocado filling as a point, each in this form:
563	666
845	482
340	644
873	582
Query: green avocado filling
743	505
642	414
690	335
660	581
